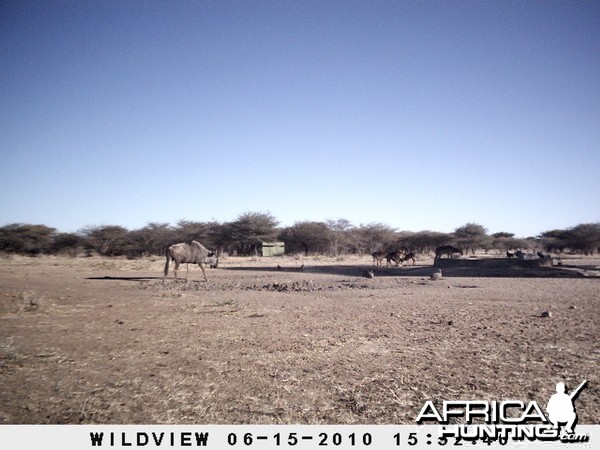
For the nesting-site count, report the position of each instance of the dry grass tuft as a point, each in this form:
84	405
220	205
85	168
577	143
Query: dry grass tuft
16	302
9	357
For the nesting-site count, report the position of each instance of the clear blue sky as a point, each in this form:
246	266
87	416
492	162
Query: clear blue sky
417	114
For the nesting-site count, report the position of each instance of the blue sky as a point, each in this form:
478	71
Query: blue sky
417	114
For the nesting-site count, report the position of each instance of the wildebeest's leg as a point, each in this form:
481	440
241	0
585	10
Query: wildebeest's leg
187	269
203	272
175	268
166	271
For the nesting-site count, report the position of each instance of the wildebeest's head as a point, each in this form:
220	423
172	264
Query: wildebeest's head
212	260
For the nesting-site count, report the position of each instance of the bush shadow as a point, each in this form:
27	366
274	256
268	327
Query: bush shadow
139	278
424	271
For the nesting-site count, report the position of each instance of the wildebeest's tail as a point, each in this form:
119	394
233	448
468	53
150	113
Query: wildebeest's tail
168	254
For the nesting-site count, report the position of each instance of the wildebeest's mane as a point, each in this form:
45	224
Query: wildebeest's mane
200	245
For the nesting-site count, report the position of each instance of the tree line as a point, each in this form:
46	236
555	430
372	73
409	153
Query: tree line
245	235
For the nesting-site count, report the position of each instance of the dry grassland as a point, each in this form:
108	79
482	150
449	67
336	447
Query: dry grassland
87	340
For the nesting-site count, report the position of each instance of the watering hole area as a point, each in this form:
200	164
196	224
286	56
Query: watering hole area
289	340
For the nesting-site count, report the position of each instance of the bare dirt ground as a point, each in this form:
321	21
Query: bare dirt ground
87	340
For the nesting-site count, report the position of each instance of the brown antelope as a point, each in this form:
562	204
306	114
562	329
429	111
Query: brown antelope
446	250
194	253
409	257
378	258
395	257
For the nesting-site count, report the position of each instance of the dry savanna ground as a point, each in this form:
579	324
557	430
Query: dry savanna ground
91	340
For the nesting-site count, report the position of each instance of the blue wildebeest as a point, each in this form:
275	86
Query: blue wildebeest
409	257
446	250
194	253
393	257
378	258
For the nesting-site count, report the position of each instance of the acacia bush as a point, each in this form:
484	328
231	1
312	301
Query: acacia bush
246	234
504	242
424	241
583	238
306	237
109	240
26	239
472	236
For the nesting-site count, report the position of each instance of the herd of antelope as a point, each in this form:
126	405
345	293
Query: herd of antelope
398	258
